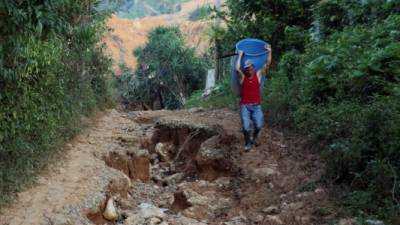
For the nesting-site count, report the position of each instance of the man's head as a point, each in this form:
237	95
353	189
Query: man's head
248	67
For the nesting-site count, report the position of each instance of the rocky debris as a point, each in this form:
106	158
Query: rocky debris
271	210
274	220
165	151
120	186
182	220
264	173
110	212
212	160
134	219
149	211
239	220
257	218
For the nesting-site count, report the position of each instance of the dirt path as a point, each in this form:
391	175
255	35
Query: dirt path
175	167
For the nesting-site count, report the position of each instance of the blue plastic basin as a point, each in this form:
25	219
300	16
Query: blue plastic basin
253	49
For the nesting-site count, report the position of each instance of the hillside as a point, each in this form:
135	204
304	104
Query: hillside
126	34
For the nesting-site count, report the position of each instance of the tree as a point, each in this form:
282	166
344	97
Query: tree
168	72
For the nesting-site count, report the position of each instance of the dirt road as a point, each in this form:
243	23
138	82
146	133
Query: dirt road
175	167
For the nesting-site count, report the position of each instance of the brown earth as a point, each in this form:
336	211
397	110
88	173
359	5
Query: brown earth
126	35
176	167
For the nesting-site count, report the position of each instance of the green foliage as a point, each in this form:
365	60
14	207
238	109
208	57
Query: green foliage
52	71
344	92
335	79
220	97
168	72
283	24
334	15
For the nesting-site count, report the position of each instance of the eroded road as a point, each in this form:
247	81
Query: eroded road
176	168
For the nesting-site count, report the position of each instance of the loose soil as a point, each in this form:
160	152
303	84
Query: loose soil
176	167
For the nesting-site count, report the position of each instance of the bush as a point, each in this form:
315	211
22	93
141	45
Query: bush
348	98
335	79
52	71
168	72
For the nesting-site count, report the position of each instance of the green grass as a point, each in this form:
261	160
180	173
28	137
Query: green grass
220	97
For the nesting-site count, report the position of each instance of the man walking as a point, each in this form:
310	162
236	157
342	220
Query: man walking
250	101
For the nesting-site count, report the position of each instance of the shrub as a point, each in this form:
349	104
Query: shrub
52	71
168	72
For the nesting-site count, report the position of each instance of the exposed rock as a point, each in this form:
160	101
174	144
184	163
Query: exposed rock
154	221
195	198
110	212
148	211
239	220
165	151
182	220
257	218
263	173
120	186
212	160
271	210
134	219
196	110
274	219
175	178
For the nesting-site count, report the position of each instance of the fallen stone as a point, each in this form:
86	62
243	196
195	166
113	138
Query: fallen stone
110	212
175	178
195	198
165	150
271	210
182	220
236	221
154	221
274	219
134	219
257	218
263	173
148	211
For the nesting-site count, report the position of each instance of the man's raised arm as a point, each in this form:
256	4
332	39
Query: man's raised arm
265	69
238	69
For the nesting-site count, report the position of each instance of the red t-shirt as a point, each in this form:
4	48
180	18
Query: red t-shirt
250	90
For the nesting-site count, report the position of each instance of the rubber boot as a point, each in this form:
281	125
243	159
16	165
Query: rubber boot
247	140
255	135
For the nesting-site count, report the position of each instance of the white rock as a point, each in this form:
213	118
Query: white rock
196	199
274	219
271	210
263	173
257	218
149	211
110	213
134	219
154	221
164	151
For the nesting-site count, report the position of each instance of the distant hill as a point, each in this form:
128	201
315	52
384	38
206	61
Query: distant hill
133	9
128	34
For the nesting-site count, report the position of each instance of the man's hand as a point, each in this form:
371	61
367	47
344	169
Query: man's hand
268	47
241	53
